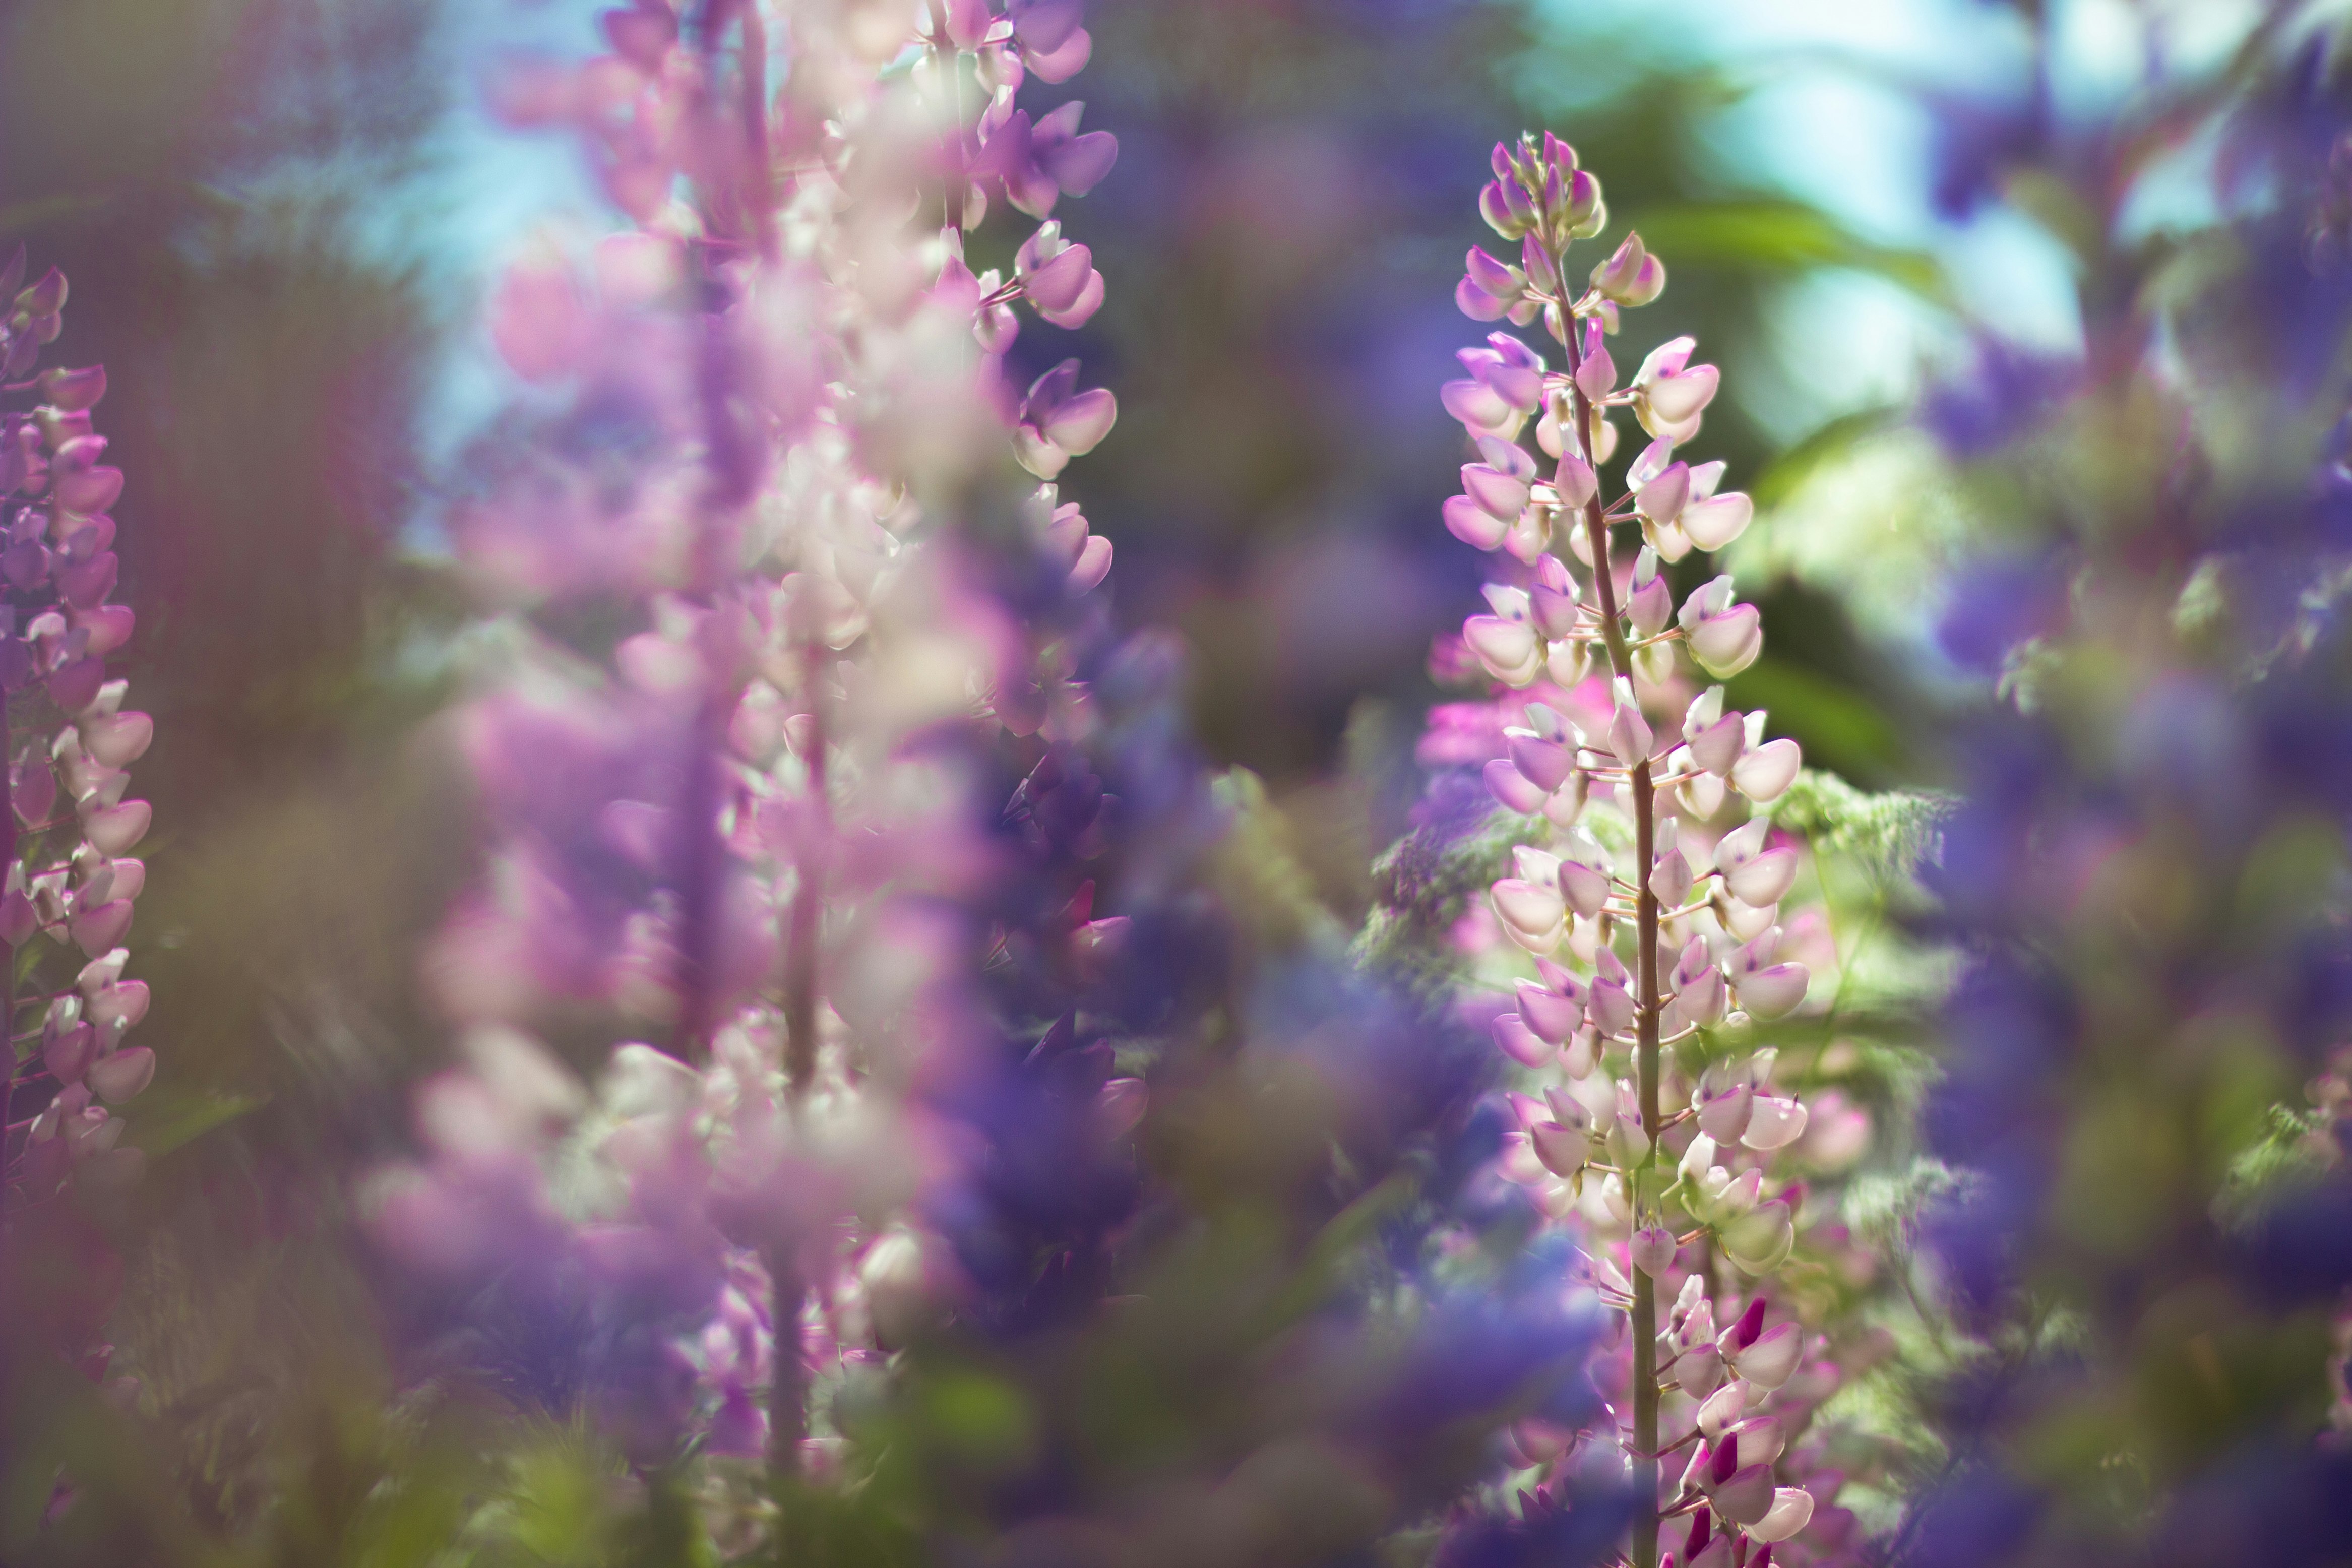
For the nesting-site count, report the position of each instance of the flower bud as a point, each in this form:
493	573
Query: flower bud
1702	794
1545	763
1717	746
1670	879
1705	997
1705	710
1671	398
1629	733
1472	524
1536	261
1662	499
1629	1144
1498	491
1596	377
1653	1250
1650	606
1513	788
1521	1044
1548	1015
46	297
1596	1093
73	391
1570	1110
1758	1242
1611	1008
1632	276
1764	879
121	1076
1725	644
1584	213
1759	1440
1584	875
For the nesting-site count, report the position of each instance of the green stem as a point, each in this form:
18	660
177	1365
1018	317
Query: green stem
1644	1327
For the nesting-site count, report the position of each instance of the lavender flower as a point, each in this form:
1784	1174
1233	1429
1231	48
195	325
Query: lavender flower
744	827
2162	671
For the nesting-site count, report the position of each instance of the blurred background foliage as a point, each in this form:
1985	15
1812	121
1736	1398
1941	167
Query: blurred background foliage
277	236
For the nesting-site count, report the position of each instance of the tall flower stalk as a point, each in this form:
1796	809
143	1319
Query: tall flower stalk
67	904
1681	951
746	825
70	881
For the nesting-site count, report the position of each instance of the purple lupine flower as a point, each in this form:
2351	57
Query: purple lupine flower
1059	278
71	882
1058	423
2209	733
1037	165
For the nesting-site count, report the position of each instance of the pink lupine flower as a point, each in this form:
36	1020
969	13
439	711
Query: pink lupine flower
1050	40
70	881
1724	636
1683	941
1670	394
1059	278
1632	276
1491	291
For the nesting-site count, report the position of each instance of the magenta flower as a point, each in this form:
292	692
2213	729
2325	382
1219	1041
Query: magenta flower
69	828
1058	423
1041	38
1037	165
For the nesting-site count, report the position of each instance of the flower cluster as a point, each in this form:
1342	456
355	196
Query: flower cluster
747	824
2139	1238
70	880
1648	896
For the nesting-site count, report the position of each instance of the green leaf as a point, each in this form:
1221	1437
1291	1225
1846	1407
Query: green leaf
168	1121
1892	832
45	212
1837	726
1817	452
1782	236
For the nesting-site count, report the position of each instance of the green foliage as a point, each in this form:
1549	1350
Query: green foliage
2283	1158
1257	868
1426	882
1887	834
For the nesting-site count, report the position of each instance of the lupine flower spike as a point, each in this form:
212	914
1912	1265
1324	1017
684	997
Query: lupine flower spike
738	831
70	879
1680	946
